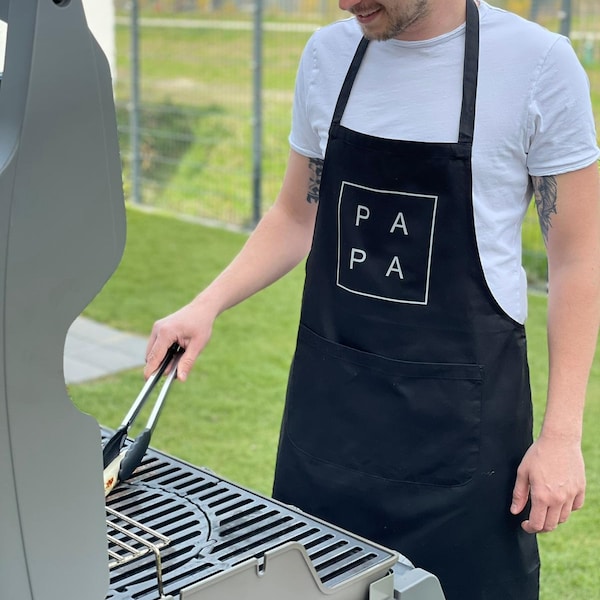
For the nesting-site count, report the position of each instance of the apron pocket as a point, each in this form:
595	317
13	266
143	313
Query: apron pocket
398	420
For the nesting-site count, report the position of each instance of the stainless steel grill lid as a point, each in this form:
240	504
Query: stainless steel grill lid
62	233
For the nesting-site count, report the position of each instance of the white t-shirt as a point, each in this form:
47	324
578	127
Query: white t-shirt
533	117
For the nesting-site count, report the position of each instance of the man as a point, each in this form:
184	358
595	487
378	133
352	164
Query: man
408	413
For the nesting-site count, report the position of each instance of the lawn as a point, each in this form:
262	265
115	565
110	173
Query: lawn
226	416
196	117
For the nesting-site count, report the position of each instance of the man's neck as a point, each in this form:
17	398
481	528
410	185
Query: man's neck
443	16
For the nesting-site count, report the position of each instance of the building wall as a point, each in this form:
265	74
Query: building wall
101	21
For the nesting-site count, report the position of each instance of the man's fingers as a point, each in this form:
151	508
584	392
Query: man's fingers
186	362
553	516
531	526
565	513
150	344
545	517
520	494
155	353
579	501
545	521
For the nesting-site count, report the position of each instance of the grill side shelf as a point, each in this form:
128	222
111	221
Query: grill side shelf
285	572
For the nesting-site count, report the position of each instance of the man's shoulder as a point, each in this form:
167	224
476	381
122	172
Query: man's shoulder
530	50
337	36
504	27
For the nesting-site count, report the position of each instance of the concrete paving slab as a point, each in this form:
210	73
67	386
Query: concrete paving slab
94	350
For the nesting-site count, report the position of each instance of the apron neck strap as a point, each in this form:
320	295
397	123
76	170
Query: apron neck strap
349	81
470	71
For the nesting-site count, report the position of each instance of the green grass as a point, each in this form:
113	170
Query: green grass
226	416
570	554
201	165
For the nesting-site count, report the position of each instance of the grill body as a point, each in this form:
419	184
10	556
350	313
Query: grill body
226	542
215	527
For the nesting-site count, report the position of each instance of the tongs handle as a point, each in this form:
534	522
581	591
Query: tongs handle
113	446
137	449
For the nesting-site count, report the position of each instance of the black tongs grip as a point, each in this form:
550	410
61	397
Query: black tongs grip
137	449
115	444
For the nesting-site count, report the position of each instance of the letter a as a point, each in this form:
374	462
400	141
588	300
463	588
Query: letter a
362	212
399	224
357	256
395	267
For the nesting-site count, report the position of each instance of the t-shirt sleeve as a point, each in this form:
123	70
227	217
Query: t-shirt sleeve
303	138
561	130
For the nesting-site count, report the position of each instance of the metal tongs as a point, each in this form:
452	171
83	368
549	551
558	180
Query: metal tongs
120	461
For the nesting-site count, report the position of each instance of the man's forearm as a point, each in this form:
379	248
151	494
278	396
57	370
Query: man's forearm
570	204
573	318
277	245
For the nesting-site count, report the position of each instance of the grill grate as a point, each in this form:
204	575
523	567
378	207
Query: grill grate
213	525
129	540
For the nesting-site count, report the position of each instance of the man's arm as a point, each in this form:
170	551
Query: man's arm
279	242
552	471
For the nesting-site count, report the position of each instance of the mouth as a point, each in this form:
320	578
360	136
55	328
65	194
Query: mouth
368	15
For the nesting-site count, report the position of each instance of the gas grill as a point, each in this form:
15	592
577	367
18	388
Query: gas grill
171	530
215	539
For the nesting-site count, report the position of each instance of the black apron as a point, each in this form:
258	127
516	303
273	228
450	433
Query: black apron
408	407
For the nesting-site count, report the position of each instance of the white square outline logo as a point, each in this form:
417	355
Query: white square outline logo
339	244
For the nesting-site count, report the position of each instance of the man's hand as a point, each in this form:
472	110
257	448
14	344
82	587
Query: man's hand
552	473
191	327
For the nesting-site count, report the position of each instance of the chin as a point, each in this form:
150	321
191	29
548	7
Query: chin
376	36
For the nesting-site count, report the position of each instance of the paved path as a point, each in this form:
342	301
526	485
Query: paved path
93	350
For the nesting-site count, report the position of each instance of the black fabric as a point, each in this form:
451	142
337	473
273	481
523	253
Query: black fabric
408	406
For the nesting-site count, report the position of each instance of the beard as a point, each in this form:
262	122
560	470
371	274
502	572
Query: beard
392	20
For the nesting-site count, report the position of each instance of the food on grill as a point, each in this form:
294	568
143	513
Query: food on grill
111	473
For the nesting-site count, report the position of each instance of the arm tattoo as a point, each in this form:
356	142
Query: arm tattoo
545	191
316	169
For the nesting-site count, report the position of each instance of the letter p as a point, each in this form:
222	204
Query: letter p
362	213
357	256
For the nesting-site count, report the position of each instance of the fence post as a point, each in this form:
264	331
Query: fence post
566	13
134	105
257	109
533	12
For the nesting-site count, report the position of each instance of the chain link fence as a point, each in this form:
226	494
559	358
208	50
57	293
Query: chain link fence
199	119
204	92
